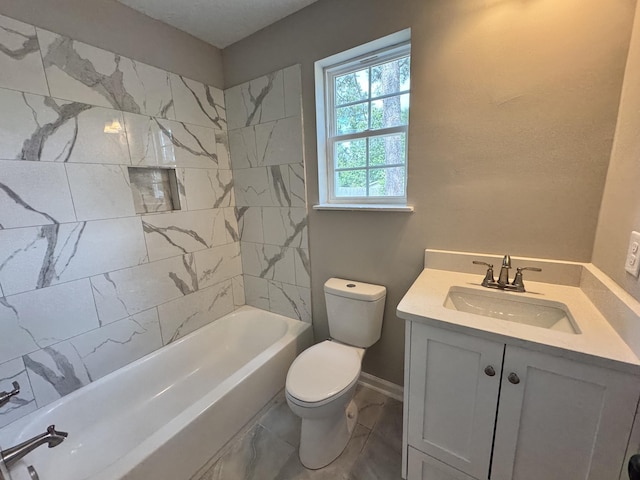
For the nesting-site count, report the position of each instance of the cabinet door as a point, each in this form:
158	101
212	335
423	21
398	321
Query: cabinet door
564	420
424	467
452	401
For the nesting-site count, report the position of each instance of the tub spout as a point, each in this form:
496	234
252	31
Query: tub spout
51	437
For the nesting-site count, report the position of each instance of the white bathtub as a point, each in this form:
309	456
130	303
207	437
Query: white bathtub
165	415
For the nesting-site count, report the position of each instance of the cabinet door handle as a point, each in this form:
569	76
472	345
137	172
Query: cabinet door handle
513	378
490	371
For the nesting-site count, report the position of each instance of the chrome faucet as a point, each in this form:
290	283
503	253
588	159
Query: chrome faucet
51	437
6	396
503	279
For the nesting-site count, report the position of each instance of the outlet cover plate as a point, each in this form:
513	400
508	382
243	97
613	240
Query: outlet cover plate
632	263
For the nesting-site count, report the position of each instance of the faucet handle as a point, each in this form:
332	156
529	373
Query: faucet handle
488	278
51	430
517	279
477	262
533	269
5	396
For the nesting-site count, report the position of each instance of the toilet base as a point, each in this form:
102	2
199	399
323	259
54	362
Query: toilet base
322	440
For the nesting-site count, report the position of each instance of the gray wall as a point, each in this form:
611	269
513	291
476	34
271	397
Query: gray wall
115	27
620	211
514	107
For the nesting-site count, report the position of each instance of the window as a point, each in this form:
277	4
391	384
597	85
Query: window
363	124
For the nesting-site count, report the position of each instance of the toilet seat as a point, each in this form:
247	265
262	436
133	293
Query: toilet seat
322	372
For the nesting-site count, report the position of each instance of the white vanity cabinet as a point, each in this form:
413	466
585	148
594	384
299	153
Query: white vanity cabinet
478	409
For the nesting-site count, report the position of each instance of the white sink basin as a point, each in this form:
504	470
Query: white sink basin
508	306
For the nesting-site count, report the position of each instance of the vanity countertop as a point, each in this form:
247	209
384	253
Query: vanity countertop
598	344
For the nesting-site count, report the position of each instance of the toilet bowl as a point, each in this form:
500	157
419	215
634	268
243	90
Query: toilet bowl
319	389
322	380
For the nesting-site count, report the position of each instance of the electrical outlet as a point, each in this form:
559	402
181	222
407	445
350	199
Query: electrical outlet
632	264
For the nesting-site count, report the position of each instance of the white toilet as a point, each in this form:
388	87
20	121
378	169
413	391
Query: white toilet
322	380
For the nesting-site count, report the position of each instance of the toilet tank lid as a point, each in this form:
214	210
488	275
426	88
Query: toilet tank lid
356	290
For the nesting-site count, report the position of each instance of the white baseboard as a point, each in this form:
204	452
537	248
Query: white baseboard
380	385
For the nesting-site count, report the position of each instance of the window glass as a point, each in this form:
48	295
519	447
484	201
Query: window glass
368	128
351	183
363	98
353	87
387	150
352	119
390	77
351	153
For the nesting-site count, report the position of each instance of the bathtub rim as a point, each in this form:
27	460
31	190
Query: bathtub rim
160	437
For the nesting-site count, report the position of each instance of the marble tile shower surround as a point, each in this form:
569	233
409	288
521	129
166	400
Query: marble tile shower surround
265	140
86	285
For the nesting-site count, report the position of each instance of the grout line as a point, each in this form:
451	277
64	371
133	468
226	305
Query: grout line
108	107
123	268
73	203
162	333
173	165
283	283
36	30
44	70
38	404
95	303
33	392
150	214
101	326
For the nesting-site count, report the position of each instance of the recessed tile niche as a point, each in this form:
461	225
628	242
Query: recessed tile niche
154	189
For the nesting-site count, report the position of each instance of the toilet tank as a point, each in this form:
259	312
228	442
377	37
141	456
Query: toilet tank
354	311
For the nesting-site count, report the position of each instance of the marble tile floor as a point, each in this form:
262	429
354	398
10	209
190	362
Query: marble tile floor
267	449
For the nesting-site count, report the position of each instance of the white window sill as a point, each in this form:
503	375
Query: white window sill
361	207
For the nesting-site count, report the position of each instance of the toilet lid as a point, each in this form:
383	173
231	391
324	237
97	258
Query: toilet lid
322	371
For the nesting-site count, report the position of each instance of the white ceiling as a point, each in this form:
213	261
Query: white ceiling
218	22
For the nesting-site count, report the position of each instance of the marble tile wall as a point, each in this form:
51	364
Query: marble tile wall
265	140
86	285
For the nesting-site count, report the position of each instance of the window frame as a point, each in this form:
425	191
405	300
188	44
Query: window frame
378	52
